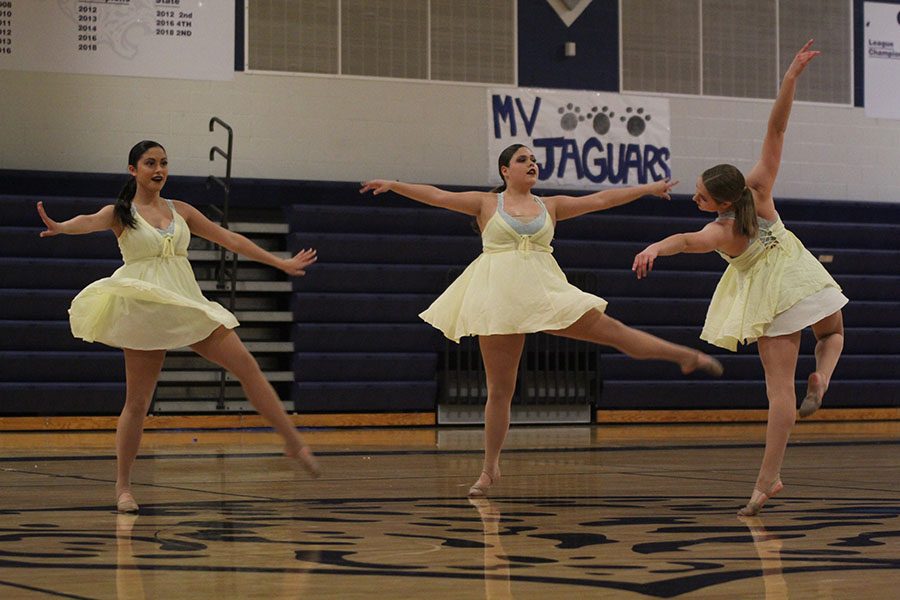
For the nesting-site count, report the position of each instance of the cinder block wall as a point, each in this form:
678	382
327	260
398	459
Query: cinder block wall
326	128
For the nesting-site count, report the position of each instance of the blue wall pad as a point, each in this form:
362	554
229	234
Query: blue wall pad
364	397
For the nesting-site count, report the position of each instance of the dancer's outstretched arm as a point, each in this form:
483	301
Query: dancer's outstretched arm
468	203
761	178
714	235
101	220
567	207
237	243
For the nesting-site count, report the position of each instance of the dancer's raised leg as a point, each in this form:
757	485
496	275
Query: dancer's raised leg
501	354
225	348
141	372
599	328
829	345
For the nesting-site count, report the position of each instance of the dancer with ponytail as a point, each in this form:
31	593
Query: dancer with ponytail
153	303
772	288
516	287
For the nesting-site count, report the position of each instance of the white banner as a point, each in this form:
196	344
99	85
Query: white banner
881	46
186	39
582	139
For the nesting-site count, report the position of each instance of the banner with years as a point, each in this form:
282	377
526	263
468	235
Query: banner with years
186	39
582	139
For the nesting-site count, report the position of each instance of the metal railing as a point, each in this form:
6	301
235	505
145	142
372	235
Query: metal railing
226	271
553	370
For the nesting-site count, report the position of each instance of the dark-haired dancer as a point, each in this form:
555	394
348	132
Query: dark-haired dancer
153	303
772	289
516	287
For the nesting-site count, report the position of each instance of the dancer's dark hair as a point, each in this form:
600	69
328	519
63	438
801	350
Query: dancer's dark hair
503	161
725	183
122	208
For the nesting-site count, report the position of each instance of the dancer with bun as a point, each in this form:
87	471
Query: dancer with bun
515	287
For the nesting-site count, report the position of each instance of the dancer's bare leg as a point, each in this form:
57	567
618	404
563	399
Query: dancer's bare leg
829	345
599	328
225	348
779	359
141	372
501	354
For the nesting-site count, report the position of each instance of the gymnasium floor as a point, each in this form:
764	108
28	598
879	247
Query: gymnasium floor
591	511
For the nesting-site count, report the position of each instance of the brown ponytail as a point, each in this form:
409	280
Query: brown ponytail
725	183
745	214
122	208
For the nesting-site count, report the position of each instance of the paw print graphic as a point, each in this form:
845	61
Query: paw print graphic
637	122
600	121
570	116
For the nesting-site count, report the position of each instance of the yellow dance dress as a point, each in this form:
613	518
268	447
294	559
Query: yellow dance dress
514	286
775	287
153	301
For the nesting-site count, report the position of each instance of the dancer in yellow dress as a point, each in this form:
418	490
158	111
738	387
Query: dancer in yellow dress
515	286
772	288
153	303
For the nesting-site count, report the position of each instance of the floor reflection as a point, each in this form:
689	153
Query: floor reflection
768	548
496	563
570	523
129	580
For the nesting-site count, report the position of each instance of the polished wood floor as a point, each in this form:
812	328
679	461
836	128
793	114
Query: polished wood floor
581	512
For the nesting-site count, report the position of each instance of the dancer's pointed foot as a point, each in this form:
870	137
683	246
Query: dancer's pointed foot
758	498
703	362
815	390
125	503
485	481
307	460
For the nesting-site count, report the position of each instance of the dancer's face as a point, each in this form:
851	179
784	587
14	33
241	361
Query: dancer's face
522	169
152	170
705	202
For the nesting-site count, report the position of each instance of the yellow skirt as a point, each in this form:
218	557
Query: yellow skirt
152	304
758	286
510	292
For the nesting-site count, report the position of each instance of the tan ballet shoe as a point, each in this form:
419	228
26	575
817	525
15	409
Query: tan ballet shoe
307	460
480	491
125	503
705	363
815	389
758	498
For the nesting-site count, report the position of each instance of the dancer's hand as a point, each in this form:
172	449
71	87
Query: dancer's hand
376	186
296	266
802	58
53	228
662	188
643	262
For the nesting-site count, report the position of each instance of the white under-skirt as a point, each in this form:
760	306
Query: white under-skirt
808	311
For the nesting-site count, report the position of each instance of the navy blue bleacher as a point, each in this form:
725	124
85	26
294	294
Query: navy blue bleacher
43	369
383	260
359	344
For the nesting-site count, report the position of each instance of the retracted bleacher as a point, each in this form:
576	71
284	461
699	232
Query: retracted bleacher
360	347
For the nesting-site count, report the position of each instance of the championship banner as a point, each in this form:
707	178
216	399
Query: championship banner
582	139
881	48
186	39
